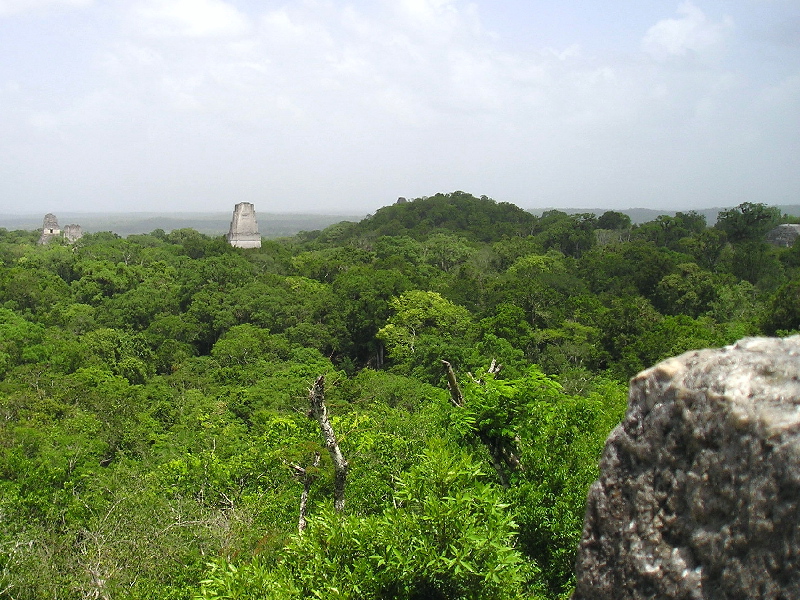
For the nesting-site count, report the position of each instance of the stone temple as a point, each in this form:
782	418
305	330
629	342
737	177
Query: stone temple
244	227
72	233
51	230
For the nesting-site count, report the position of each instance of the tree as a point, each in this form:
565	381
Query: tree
509	322
32	291
124	354
666	231
544	445
363	295
481	219
244	345
561	438
613	220
570	346
571	235
217	272
446	251
623	325
19	341
707	247
325	265
783	314
757	262
101	279
398	251
105	246
506	251
689	291
490	410
540	285
198	245
748	221
157	295
627	268
424	328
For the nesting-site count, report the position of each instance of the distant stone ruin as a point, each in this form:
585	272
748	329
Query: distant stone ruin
784	235
72	233
244	227
51	230
699	488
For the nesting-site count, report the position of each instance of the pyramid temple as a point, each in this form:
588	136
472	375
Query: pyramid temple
51	230
244	227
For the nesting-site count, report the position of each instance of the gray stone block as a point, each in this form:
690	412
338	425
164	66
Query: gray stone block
699	488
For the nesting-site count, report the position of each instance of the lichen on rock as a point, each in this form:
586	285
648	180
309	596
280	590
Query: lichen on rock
699	488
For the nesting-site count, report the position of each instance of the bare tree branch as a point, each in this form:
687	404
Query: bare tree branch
316	396
456	397
494	368
502	452
308	479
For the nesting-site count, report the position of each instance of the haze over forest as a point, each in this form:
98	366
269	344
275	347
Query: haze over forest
273	225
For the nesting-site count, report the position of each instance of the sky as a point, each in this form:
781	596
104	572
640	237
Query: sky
341	107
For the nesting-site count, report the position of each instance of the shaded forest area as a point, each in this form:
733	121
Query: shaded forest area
156	435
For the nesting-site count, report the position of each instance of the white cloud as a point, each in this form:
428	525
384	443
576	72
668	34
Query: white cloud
44	122
301	103
191	18
693	33
427	11
785	92
572	51
18	7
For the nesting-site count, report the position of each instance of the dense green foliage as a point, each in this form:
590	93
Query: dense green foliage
153	395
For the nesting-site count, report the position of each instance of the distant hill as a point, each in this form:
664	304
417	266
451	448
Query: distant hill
643	215
269	225
481	219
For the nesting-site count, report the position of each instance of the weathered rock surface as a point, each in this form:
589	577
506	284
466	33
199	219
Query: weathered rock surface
784	235
243	232
699	488
72	233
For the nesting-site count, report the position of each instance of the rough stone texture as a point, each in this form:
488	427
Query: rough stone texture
72	233
784	235
50	228
244	228
699	488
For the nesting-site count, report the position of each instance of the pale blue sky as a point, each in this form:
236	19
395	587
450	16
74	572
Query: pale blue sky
324	105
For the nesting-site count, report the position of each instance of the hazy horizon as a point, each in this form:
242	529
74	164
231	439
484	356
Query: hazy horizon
271	224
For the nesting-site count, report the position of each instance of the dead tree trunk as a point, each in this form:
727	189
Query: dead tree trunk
316	397
308	479
456	397
502	453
